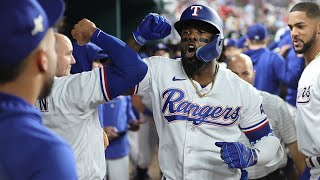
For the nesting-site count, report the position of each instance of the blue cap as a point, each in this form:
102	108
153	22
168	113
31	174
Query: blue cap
160	46
242	41
85	55
230	43
25	23
257	32
285	39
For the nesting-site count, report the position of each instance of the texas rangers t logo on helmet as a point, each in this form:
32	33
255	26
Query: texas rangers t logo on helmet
195	10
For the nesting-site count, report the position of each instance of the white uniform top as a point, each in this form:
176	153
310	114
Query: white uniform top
283	127
189	126
71	111
308	110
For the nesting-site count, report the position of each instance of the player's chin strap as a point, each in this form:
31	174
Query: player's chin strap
212	50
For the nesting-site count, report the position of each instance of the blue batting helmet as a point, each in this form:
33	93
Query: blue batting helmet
208	15
200	13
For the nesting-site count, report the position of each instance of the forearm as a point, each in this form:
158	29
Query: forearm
297	157
269	150
131	42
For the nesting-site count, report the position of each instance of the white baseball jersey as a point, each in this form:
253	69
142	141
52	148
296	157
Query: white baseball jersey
71	111
308	110
283	127
189	126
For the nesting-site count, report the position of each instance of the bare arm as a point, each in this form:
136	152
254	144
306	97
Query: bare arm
297	157
131	42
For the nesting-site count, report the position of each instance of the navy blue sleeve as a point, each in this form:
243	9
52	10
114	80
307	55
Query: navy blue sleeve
127	68
56	163
287	74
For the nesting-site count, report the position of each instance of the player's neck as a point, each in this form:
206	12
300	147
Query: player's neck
22	88
205	76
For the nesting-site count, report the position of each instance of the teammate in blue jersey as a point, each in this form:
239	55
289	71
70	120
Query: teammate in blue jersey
294	61
271	69
28	63
118	118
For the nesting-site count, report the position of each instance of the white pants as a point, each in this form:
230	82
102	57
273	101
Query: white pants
118	169
315	174
147	140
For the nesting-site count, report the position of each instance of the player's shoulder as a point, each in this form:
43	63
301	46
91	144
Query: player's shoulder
162	61
269	98
231	77
228	79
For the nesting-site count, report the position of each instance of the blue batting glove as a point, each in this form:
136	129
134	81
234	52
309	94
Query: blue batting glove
152	27
236	155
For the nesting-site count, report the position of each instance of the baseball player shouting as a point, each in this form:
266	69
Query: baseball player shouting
71	109
304	23
200	110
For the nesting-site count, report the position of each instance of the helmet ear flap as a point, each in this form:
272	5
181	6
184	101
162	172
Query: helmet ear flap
212	50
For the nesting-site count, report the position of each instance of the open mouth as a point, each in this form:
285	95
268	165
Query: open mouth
296	42
191	49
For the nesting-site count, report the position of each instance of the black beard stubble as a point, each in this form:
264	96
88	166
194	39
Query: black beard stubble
46	89
307	45
191	66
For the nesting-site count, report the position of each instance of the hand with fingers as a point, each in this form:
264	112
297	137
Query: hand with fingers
152	27
83	31
236	155
111	131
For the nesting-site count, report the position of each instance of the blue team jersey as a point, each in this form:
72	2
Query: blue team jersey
298	64
118	113
272	70
28	149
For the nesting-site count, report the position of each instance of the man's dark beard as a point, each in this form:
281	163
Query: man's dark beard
46	89
307	45
192	67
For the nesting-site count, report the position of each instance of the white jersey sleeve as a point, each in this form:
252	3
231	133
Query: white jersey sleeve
81	93
254	122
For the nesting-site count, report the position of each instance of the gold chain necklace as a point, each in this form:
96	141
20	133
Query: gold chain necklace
317	55
213	79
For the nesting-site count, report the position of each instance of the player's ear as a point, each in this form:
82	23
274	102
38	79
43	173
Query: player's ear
318	27
42	60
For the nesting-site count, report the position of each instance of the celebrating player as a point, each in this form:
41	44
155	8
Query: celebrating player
27	65
304	23
200	110
71	110
280	119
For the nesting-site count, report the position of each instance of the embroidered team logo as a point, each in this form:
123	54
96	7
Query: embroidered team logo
304	95
196	9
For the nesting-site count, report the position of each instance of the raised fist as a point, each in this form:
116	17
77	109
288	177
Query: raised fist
83	30
152	27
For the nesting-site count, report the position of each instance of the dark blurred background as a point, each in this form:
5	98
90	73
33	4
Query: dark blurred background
121	17
116	17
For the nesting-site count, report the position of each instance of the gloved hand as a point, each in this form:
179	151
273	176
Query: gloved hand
236	155
152	27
